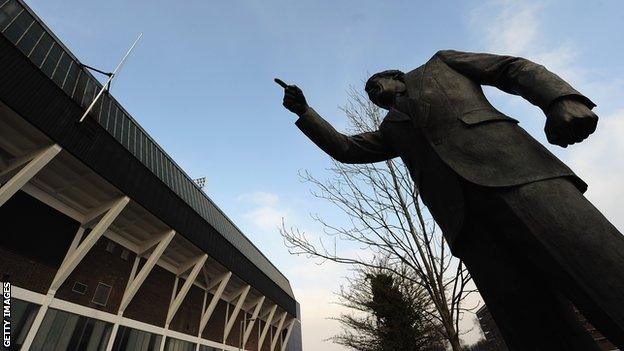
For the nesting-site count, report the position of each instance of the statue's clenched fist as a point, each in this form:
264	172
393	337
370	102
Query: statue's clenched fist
294	100
569	121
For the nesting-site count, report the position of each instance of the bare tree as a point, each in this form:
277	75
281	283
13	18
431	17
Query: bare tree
387	218
387	312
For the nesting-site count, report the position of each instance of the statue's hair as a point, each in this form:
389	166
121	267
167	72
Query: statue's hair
391	73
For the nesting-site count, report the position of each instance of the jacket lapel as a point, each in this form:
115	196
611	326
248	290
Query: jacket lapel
417	108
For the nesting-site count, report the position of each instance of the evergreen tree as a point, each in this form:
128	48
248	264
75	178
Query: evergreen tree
391	314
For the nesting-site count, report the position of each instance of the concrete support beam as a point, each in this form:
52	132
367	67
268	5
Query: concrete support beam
135	282
290	328
222	281
197	265
267	326
239	304
78	252
30	165
278	331
252	321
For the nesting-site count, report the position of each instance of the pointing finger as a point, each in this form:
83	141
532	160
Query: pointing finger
281	83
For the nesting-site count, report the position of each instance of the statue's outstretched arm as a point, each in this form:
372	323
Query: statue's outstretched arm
360	148
514	75
569	116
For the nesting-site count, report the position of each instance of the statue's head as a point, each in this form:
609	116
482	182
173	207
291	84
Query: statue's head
383	87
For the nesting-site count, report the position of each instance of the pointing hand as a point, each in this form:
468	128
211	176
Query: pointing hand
294	100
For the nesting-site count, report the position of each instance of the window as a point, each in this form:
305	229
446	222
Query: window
102	292
79	288
133	339
62	330
172	344
125	254
110	246
22	316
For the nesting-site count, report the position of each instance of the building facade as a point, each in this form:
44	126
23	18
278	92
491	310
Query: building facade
106	242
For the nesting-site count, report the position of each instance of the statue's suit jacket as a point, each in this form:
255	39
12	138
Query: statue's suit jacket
445	129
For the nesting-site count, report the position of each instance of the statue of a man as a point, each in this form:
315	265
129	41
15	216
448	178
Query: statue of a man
511	210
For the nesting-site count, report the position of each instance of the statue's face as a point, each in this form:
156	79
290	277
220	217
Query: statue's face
385	91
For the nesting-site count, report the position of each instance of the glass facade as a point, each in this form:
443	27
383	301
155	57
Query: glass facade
133	339
179	345
62	330
22	316
207	348
19	26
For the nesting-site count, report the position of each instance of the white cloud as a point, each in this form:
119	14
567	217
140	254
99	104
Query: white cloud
266	212
513	27
266	217
260	198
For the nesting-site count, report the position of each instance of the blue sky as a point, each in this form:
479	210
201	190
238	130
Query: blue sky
200	82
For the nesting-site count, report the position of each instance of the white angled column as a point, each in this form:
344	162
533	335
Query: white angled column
267	326
136	282
278	331
197	265
222	281
76	255
254	316
290	328
78	249
136	279
30	165
242	295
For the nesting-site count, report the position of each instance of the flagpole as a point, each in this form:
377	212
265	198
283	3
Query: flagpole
110	79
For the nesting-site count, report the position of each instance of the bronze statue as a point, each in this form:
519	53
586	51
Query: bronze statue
511	210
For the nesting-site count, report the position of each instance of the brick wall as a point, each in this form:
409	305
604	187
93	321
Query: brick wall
26	273
186	320
216	324
99	266
151	302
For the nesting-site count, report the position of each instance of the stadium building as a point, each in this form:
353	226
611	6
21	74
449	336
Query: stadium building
107	243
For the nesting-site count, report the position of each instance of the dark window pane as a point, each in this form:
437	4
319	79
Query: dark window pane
28	41
8	12
52	60
22	316
62	330
61	69
133	339
70	80
41	49
80	86
178	345
16	29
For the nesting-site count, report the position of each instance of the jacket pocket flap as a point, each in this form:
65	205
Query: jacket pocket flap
484	115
